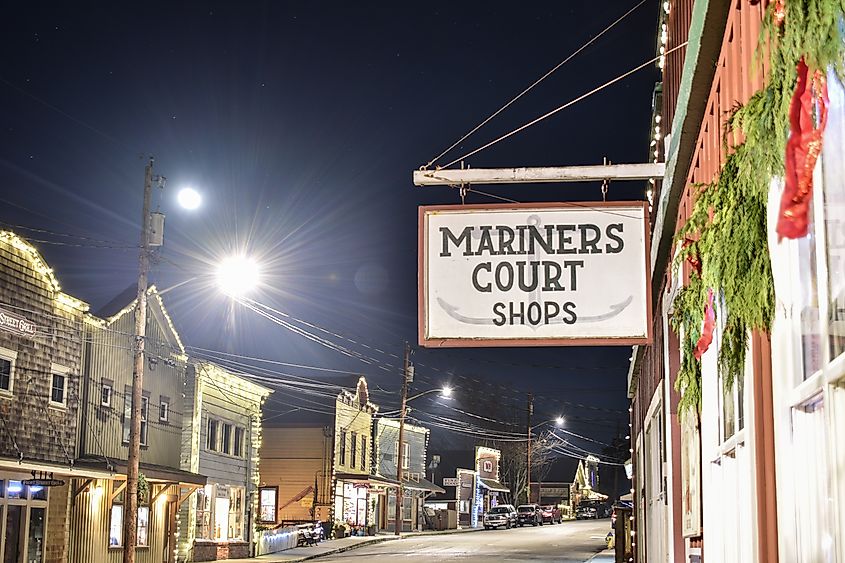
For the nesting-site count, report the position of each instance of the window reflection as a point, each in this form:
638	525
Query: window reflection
833	170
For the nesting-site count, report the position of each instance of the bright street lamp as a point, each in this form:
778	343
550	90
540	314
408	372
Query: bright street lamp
445	392
189	198
559	421
237	275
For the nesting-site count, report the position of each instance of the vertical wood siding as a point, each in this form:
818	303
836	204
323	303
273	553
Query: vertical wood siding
111	358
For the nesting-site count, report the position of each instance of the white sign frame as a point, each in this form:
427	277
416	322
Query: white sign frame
476	335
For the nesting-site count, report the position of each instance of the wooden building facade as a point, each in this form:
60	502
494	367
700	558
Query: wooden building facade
221	437
41	349
97	508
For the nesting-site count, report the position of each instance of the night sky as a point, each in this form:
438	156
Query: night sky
300	123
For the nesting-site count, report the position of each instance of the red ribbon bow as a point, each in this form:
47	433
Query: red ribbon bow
802	151
707	330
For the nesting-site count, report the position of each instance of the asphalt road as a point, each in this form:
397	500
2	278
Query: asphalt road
574	541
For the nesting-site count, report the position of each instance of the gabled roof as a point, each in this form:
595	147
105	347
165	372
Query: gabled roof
39	266
155	305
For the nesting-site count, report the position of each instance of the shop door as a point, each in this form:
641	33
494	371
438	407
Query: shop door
14	535
361	513
169	555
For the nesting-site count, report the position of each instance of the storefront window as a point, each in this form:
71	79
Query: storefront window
38	493
203	512
833	170
143	526
221	518
16	490
236	513
808	304
267	503
406	507
116	526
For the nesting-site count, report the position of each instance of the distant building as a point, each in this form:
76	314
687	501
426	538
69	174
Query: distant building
319	467
416	486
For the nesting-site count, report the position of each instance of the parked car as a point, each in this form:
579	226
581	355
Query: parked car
551	514
529	514
500	516
586	513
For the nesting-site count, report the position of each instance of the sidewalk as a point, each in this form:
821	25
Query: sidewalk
606	556
330	547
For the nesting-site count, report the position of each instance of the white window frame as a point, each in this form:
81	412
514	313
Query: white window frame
216	445
64	373
793	394
238	437
12	357
145	420
226	435
406	455
107	402
164	411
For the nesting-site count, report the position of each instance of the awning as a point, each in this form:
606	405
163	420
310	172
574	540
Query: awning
493	485
424	485
362	479
154	473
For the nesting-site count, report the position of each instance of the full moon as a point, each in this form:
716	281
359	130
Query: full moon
189	198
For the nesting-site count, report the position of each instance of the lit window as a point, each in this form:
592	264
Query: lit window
143	526
204	512
105	395
221	518
267	500
58	391
145	411
226	438
236	513
164	411
116	526
127	413
211	435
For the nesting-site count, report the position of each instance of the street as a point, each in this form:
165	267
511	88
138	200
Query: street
570	541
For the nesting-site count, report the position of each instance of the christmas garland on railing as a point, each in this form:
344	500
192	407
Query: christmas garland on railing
725	241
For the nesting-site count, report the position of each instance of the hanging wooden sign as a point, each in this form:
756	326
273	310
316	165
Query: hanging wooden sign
538	274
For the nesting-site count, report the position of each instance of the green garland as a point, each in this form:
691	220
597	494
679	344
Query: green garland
726	231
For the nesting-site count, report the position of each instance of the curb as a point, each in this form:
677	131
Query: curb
377	540
341	549
441	532
603	553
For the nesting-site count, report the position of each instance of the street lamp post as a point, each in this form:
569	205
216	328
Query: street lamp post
558	422
406	381
400	493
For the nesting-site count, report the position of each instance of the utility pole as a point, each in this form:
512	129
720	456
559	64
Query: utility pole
399	458
130	515
528	426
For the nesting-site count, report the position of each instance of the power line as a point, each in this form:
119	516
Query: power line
535	83
567	104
